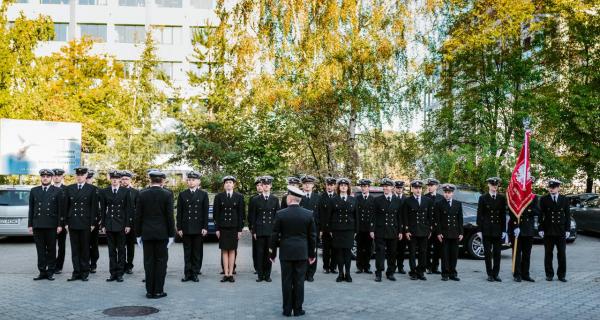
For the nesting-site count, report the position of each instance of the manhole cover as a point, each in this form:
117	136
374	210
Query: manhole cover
130	311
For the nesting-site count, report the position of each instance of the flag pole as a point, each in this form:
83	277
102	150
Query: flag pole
514	256
526	122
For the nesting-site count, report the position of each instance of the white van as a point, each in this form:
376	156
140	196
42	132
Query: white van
14	208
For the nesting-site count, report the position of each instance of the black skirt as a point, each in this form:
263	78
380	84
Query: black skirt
343	239
228	239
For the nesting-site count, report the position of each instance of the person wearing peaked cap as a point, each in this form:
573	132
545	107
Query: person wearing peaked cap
130	238
116	212
310	201
261	217
323	207
155	230
417	214
386	230
259	190
82	210
294	233
90	176
61	237
402	245
229	213
291	181
492	209
434	246
192	225
44	222
94	250
343	225
523	228
554	227
448	230
364	214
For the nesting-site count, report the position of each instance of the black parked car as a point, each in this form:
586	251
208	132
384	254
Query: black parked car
587	215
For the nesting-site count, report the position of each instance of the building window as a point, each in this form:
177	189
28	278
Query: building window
92	2
128	68
169	3
202	4
132	3
60	31
169	69
167	34
54	1
130	33
22	1
96	32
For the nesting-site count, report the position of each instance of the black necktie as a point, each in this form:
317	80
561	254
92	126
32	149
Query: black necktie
389	199
266	198
554	197
308	196
45	188
494	197
449	203
366	197
114	191
79	187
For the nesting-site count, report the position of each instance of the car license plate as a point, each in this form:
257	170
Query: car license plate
9	221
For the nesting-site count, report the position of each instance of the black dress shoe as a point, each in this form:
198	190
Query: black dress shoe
92	270
260	279
444	278
529	279
58	271
225	279
359	271
497	279
73	278
50	277
413	277
348	278
401	271
268	279
40	277
195	279
562	279
149	296
111	279
119	279
310	279
287	313
160	295
455	278
368	272
422	277
391	277
517	279
548	278
231	279
185	279
326	271
298	313
128	271
84	279
340	278
490	279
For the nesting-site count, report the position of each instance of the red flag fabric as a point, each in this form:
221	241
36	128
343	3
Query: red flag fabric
519	193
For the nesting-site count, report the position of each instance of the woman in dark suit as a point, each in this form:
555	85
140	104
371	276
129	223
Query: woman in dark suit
343	226
228	214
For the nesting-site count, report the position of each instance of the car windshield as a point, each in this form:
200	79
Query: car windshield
467	196
14	197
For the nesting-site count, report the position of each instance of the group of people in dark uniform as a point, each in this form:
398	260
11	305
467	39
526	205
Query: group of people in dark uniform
429	226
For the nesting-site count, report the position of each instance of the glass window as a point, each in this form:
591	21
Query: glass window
92	2
22	1
202	4
130	33
60	31
169	69
54	1
95	31
128	68
14	197
132	3
167	34
169	3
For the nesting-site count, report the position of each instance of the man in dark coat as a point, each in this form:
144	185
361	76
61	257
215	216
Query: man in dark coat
324	207
417	213
259	190
555	228
45	221
82	207
364	213
291	181
434	246
155	228
448	226
116	212
491	227
310	201
261	218
94	251
295	234
402	245
524	229
192	225
61	237
130	241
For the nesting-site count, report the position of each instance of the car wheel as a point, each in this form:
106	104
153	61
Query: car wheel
354	250
475	247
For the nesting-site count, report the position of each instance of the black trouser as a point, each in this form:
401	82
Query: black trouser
61	241
434	254
254	259
156	256
402	245
193	252
449	257
262	257
80	251
364	250
385	249
311	269
292	283
343	259
418	245
94	252
130	243
45	245
328	260
116	252
523	252
561	243
492	247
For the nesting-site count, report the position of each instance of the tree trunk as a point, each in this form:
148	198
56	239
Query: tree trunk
353	162
589	184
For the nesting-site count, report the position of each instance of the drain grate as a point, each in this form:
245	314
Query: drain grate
130	311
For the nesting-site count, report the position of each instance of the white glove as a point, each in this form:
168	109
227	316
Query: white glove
171	240
139	242
567	234
517	232
541	233
504	235
479	235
